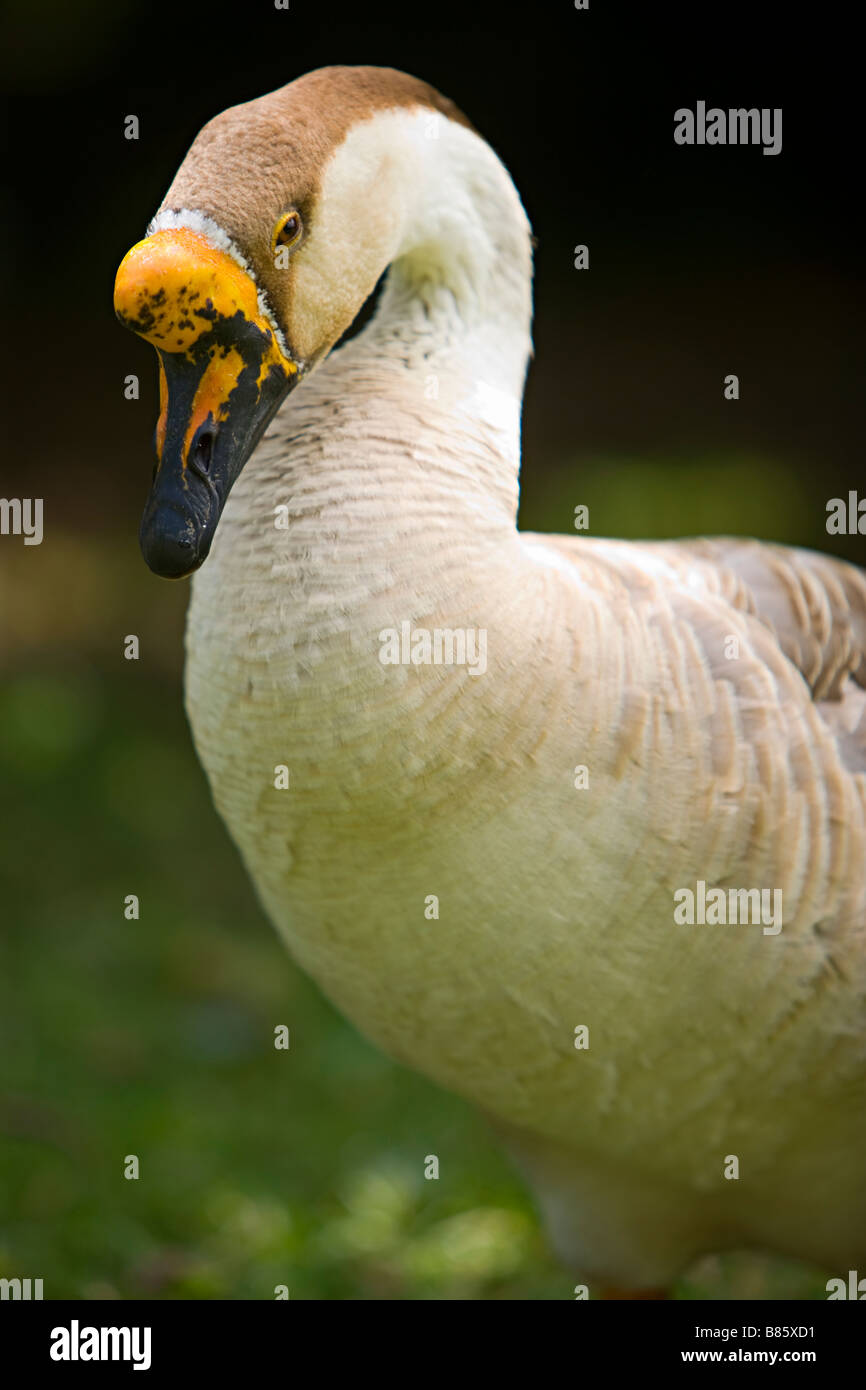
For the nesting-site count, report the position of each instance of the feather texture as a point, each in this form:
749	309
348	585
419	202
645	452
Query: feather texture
713	691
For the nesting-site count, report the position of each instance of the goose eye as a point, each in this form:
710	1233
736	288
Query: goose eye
287	230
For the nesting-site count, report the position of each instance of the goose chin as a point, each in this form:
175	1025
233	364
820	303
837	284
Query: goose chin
200	462
179	521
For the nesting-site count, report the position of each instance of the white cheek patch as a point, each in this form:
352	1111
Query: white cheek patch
168	219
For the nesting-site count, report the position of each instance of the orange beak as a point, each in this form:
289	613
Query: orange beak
223	375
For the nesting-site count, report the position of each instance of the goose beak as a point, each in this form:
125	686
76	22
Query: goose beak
222	377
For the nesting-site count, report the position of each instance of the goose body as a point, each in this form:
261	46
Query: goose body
435	863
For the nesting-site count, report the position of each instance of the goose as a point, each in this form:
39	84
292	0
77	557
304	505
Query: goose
477	775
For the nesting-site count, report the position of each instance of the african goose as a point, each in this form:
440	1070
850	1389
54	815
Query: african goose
435	863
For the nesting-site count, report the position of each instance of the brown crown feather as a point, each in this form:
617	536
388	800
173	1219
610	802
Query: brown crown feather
252	161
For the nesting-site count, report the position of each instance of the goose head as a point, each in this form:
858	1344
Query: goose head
277	227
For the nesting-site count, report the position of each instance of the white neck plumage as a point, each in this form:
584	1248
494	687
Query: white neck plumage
464	252
407	439
450	342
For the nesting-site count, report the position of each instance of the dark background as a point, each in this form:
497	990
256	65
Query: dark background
154	1037
703	261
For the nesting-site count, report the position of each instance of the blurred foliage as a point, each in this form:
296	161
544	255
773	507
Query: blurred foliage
155	1037
660	499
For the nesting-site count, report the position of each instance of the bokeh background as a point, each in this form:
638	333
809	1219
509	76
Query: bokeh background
155	1037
